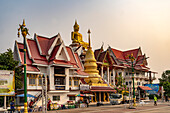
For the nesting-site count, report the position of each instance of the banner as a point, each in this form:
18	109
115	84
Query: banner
156	89
7	83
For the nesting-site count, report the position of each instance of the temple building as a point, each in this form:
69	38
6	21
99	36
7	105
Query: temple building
51	58
76	69
114	63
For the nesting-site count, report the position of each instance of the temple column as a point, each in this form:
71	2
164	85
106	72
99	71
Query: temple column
99	96
108	97
92	98
108	79
95	97
104	97
113	71
102	71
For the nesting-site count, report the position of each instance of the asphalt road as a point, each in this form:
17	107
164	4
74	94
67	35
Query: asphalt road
146	108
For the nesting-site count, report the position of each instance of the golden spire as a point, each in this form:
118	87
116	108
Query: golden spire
89	38
90	65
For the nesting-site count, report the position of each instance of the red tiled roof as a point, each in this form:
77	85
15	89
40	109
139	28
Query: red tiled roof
96	53
118	54
145	87
35	53
78	60
21	47
54	52
32	68
72	59
102	56
45	44
129	52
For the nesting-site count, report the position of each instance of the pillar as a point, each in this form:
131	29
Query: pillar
108	79
108	97
104	96
102	71
99	96
95	97
113	71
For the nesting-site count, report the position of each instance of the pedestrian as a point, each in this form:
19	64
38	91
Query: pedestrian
87	102
48	105
166	98
31	104
12	106
155	100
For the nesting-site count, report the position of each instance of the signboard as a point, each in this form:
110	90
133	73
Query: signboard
7	83
59	87
156	89
84	87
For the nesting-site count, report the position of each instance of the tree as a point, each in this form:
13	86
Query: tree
7	62
165	81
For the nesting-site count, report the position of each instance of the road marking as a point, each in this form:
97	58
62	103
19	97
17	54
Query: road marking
147	109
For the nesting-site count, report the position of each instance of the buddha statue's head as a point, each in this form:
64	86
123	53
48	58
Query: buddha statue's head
76	27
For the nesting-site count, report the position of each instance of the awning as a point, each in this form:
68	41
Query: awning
144	87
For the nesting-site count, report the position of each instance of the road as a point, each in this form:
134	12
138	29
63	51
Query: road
146	108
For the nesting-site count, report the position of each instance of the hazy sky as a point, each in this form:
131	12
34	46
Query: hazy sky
122	24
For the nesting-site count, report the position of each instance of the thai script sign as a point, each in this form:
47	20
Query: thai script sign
7	83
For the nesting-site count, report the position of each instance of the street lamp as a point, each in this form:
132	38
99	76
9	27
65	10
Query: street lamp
132	58
24	32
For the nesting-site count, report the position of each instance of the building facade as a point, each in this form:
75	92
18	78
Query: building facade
59	63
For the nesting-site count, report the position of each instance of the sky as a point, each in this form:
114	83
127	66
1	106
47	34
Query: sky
121	24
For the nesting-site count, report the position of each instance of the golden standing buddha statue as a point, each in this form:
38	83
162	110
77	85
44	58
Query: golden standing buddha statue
76	37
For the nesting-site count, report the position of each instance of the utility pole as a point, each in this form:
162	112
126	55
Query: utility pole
42	94
45	93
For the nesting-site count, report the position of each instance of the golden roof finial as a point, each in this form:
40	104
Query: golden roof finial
23	24
89	38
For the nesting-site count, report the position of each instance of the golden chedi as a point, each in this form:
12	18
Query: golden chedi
76	37
90	67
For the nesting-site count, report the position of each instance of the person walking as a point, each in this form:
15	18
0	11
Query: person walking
12	106
155	100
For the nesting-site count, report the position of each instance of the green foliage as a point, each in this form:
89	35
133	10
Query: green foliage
7	62
165	81
120	80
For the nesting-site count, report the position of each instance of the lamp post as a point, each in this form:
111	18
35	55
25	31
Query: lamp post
24	32
132	58
132	66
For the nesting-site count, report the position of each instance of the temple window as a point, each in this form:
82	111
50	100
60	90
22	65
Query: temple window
70	82
56	98
39	80
59	80
76	81
32	80
72	98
